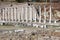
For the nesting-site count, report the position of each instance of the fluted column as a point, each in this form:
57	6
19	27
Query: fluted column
40	14
34	13
22	11
3	13
50	15
26	13
18	14
0	14
8	14
44	14
12	14
15	14
30	12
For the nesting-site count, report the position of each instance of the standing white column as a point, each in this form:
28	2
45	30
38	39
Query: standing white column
30	12
50	15
0	14
40	14
18	14
12	14
34	14
23	14
15	14
26	13
22	11
8	14
44	14
3	14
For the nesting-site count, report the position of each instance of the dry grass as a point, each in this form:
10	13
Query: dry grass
18	27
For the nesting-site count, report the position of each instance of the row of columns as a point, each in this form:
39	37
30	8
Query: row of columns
18	13
44	14
24	13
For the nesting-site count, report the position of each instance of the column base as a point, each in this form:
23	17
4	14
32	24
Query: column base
54	21
45	26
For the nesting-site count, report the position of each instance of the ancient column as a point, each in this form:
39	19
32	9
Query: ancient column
50	15
18	13
0	14
22	11
30	12
8	14
26	13
34	14
12	14
40	14
15	14
44	14
3	13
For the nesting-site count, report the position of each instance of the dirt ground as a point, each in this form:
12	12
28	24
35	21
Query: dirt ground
29	33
